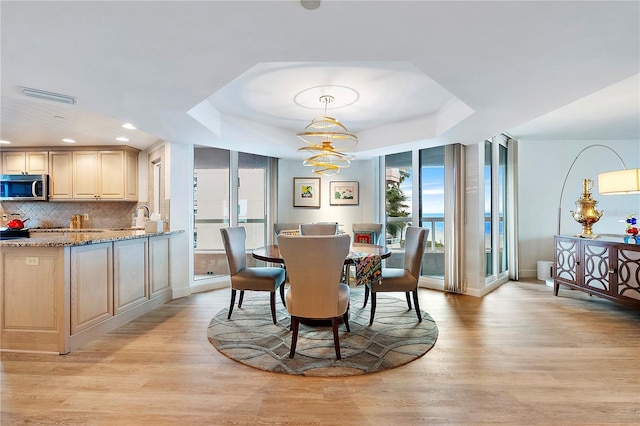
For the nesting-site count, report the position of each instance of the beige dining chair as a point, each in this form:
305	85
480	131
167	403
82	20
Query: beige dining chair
314	264
280	227
318	229
360	231
405	279
255	278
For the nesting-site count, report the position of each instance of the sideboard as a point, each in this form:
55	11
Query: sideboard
604	267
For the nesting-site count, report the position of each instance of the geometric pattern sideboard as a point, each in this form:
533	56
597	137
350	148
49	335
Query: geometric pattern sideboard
604	267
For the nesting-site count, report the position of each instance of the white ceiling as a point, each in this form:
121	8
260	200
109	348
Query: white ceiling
226	73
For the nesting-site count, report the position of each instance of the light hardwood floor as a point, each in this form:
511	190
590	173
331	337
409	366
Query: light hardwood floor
517	356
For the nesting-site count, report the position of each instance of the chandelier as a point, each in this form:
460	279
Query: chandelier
328	141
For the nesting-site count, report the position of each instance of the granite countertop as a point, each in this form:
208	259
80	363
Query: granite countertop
77	237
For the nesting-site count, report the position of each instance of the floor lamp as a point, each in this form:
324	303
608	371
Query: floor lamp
625	181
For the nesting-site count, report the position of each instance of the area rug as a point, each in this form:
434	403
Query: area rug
395	338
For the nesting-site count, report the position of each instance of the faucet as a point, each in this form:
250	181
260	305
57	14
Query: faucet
146	208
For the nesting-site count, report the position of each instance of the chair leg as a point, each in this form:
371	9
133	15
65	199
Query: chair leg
408	299
373	307
233	301
417	305
272	301
366	295
295	322
345	319
336	338
282	295
241	299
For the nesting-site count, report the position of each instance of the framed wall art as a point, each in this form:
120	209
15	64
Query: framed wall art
344	193
306	192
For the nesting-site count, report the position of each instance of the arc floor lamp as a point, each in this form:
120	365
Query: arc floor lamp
617	182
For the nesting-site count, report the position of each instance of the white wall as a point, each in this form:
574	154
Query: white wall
362	171
179	189
542	168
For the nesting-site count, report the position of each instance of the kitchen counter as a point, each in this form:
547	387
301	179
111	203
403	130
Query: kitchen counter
61	237
62	288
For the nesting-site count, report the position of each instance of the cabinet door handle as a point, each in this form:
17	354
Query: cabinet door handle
613	270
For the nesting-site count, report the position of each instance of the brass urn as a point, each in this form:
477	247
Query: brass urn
586	213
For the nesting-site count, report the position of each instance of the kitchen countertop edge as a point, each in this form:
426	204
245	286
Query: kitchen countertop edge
83	238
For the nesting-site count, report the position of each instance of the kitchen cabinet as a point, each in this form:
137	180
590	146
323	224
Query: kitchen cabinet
59	297
61	175
130	287
99	175
93	175
605	267
159	265
30	162
91	285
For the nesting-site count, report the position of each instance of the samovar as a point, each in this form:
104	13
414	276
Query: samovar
586	213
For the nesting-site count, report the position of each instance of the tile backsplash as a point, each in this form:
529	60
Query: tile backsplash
103	214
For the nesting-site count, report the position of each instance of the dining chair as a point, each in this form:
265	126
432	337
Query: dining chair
405	279
290	227
264	278
318	229
314	264
366	233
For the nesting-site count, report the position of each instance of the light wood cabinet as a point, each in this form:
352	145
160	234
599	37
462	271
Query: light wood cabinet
93	175
56	299
130	287
61	175
91	285
99	175
33	294
31	162
159	265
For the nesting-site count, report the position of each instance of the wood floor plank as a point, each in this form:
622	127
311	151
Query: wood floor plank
517	356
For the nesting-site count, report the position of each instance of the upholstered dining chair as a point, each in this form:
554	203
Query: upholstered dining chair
255	278
363	230
280	227
318	229
405	279
314	264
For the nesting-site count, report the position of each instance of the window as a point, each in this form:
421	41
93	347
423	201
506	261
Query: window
398	204
211	210
496	195
432	202
252	198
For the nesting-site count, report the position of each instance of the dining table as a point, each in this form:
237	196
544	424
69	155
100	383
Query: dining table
271	253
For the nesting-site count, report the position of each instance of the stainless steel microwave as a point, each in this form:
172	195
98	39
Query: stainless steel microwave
24	187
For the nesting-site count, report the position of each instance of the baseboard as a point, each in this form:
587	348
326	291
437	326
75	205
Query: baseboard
210	284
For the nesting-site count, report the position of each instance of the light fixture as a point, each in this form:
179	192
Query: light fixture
68	140
625	181
310	4
122	139
4	142
328	141
129	126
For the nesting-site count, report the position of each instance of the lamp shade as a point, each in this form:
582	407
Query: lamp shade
625	181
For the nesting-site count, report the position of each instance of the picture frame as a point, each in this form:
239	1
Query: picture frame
344	193
306	192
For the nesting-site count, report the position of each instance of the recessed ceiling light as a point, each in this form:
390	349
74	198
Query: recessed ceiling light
5	142
68	140
122	139
129	126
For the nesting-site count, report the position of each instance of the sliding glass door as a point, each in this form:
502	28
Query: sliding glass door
230	189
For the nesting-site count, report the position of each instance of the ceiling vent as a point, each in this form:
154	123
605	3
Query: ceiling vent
49	96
